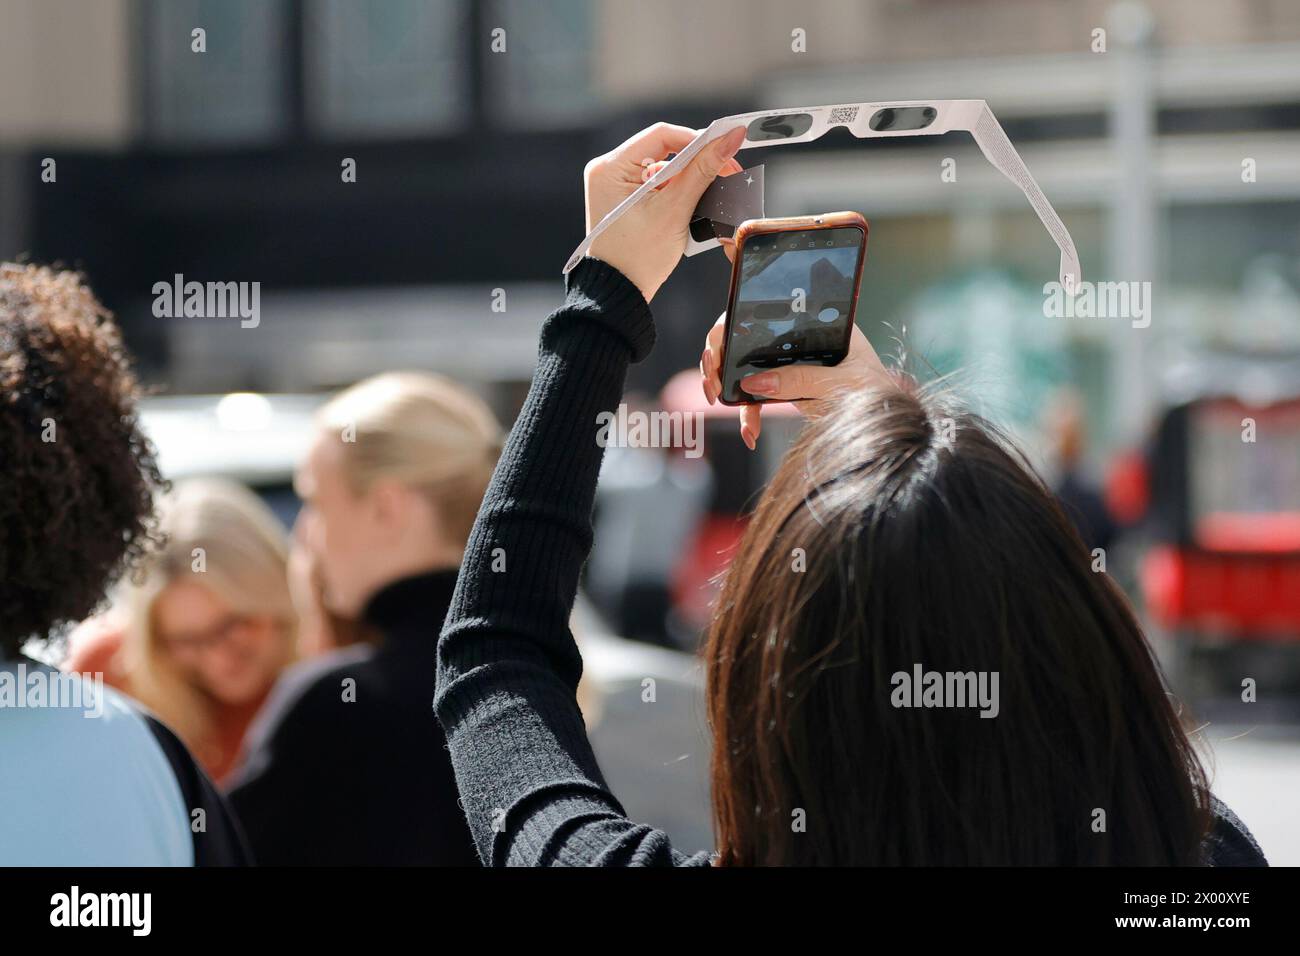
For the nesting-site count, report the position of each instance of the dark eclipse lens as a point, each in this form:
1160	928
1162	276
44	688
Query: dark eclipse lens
903	117
778	127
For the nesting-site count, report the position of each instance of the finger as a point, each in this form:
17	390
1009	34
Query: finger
713	349
793	382
705	384
656	142
729	247
687	187
714	339
709	376
751	424
651	167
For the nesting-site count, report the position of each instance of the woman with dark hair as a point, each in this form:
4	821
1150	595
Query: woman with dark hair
930	541
904	565
76	511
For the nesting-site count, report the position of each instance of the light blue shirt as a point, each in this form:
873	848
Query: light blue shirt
83	782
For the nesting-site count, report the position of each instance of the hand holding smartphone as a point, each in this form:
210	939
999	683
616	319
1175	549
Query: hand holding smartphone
793	297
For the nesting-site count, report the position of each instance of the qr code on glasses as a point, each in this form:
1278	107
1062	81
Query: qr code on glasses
844	114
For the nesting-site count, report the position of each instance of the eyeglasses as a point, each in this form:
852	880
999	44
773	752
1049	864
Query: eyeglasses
195	644
866	120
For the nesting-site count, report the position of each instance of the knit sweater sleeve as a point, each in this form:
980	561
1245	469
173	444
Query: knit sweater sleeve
508	666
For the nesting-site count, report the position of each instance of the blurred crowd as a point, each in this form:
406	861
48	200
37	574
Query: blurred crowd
281	656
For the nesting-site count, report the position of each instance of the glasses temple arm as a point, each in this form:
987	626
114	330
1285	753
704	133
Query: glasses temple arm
997	149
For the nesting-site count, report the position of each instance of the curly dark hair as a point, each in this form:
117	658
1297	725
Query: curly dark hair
78	480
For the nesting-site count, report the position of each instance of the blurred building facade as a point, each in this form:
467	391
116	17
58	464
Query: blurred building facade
225	165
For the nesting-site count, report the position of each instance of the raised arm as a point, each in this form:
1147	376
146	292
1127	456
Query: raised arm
508	667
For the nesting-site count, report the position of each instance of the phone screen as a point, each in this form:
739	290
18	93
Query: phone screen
793	303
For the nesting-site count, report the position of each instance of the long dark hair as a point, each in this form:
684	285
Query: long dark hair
900	531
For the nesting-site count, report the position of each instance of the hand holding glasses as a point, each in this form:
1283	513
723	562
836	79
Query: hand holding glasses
865	120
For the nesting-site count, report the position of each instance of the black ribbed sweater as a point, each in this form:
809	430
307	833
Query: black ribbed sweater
508	666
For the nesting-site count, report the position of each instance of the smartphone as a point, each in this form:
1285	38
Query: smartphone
794	292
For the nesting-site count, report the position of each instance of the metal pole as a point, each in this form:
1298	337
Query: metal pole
1132	221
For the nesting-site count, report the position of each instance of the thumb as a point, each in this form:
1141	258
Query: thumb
791	383
690	184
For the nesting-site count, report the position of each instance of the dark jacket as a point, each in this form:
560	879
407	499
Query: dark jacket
347	764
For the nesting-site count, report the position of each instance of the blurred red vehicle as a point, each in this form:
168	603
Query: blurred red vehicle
1221	490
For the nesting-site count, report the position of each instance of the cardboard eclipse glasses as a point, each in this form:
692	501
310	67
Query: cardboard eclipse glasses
865	120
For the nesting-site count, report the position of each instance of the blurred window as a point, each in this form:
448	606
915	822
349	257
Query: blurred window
236	89
1215	244
387	67
543	77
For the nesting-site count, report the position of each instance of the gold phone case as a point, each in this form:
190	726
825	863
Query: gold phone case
758	227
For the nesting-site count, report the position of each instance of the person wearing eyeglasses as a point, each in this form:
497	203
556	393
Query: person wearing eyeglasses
901	538
202	637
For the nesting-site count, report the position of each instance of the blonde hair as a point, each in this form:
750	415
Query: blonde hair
424	431
224	537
